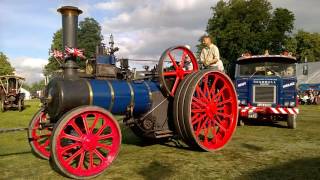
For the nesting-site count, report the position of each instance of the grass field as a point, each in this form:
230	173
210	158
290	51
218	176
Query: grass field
259	151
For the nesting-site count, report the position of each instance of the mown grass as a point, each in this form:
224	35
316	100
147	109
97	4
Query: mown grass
259	151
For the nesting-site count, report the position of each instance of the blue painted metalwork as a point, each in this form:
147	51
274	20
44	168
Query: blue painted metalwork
285	88
118	96
106	59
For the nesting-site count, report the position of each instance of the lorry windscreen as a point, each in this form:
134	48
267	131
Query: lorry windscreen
267	69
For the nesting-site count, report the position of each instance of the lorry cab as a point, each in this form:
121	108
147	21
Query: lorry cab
266	87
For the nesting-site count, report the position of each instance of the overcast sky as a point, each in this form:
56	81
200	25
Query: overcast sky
142	28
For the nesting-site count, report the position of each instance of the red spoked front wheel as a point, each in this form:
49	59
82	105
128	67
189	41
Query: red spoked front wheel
85	142
210	110
175	63
39	135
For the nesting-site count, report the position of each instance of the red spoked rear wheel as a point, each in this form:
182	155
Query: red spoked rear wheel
39	135
175	63
85	142
210	110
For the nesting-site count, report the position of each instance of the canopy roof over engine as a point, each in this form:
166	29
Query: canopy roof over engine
12	76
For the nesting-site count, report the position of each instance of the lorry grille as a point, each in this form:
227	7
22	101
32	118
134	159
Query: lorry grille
264	94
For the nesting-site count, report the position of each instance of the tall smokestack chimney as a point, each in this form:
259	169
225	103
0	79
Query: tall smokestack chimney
69	27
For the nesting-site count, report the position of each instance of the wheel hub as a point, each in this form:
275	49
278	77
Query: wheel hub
211	109
180	73
89	142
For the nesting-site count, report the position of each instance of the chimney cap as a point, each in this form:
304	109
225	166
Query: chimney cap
64	10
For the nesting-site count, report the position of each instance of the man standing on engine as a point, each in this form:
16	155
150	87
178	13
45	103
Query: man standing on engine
210	56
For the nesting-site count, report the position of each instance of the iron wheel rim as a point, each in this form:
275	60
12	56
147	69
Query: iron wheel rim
78	158
175	76
218	111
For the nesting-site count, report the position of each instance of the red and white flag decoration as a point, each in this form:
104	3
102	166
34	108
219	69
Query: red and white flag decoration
57	54
75	52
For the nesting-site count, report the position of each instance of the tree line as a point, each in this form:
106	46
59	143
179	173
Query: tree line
239	26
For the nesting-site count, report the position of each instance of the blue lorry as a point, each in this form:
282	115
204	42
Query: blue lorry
266	88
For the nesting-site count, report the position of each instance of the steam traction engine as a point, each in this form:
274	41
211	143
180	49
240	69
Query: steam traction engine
76	128
10	92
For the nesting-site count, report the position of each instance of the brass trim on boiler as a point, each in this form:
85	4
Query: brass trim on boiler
132	94
90	92
112	95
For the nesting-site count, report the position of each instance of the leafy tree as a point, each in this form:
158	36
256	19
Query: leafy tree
89	36
57	43
280	26
308	46
5	66
291	44
34	87
238	26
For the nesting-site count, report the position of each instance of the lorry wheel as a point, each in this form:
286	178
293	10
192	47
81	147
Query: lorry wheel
292	121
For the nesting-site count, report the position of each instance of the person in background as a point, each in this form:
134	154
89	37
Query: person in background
188	63
210	56
305	98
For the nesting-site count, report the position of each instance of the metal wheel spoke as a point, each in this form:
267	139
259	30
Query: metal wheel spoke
104	146
183	58
175	85
218	95
91	163
170	73
71	137
68	147
213	86
223	115
108	136
201	127
214	131
173	60
76	128
96	118
198	102
220	126
74	156
195	105
101	129
41	136
225	102
197	110
195	120
81	160
46	143
206	132
199	91
221	109
218	119
206	88
100	156
85	123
